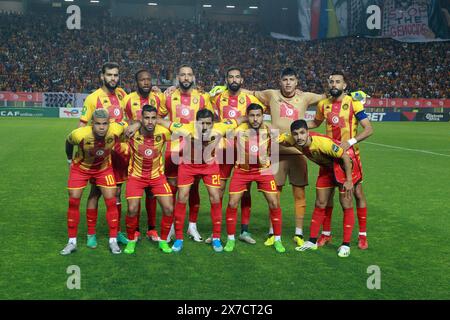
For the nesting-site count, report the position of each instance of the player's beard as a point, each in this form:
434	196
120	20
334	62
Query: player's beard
234	87
143	92
186	85
110	87
334	92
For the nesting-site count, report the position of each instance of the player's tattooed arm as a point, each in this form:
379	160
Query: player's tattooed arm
131	129
367	132
69	151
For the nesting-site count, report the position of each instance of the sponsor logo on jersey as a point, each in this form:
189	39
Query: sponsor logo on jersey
100	153
335	148
345	106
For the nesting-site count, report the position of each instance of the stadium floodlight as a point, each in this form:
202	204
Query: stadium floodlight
284	8
95	1
207	6
152	4
231	7
68	0
253	7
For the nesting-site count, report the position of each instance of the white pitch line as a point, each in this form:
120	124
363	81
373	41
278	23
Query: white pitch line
407	149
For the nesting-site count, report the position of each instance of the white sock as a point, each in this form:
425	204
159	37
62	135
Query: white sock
277	238
73	241
326	233
299	231
216	238
231	237
193	225
363	234
111	240
271	230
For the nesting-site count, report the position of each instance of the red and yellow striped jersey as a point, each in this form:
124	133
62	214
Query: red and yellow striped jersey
146	153
340	116
134	103
227	106
253	147
95	154
323	150
195	145
182	107
99	99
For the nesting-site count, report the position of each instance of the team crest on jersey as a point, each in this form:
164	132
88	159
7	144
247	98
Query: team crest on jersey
152	102
105	101
109	140
158	138
241	100
177	125
213	138
335	148
345	106
224	99
328	107
135	104
175	98
120	96
195	100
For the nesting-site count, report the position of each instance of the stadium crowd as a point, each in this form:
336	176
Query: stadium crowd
40	54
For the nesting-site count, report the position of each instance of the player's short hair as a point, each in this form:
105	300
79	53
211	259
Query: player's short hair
254	106
184	65
109	65
101	113
204	113
338	73
288	72
148	108
136	75
233	68
299	124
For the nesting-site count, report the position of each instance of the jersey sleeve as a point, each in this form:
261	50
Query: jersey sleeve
88	109
128	111
319	111
208	104
75	137
358	108
254	99
328	147
224	126
286	139
181	128
162	110
117	128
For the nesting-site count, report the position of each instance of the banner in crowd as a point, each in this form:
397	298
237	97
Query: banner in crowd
58	99
21	96
29	112
404	20
407	103
69	112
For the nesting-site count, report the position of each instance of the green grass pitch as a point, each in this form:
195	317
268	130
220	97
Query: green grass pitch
408	229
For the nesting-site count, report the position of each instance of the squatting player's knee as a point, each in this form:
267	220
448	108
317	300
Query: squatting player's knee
321	203
273	204
133	210
214	198
167	210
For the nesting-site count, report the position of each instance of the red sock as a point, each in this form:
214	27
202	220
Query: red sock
138	216
150	206
275	218
73	217
349	222
112	216
179	215
362	218
166	223
174	193
119	214
230	216
327	221
131	223
216	217
194	202
91	217
246	205
316	221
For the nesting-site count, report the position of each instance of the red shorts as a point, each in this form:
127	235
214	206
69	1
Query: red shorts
170	168
225	171
120	162
265	180
210	173
78	178
158	186
327	177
